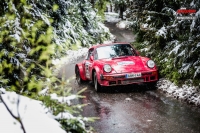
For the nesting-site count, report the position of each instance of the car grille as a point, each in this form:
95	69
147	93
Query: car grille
132	81
124	82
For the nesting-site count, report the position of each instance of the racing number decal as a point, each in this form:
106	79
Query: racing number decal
87	71
88	64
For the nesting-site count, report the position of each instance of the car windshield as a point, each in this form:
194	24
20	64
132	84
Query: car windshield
113	51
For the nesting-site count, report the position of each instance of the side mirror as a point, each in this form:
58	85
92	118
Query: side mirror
91	58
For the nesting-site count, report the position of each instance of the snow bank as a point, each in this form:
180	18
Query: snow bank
112	17
186	93
35	117
123	24
72	57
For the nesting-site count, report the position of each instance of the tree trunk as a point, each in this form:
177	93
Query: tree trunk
93	3
121	10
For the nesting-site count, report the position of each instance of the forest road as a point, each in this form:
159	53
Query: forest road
122	35
133	109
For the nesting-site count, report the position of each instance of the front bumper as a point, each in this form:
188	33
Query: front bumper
120	79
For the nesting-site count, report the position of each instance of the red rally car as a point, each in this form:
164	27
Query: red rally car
116	64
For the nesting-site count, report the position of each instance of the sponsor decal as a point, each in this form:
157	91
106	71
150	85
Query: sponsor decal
126	63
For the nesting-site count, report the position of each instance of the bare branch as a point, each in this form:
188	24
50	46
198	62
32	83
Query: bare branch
16	118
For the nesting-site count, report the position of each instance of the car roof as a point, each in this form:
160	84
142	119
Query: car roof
101	45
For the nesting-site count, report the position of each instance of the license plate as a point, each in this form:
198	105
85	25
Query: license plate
133	75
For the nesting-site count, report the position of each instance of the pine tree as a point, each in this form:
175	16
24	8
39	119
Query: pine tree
173	43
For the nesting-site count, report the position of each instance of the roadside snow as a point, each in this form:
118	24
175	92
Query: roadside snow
187	93
72	57
35	117
123	24
112	17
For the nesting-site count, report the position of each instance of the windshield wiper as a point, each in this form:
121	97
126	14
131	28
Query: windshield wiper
119	57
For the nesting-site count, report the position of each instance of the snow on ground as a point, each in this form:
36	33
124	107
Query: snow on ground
187	93
112	17
123	24
35	117
71	57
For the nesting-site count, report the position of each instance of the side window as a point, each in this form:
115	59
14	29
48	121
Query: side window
90	52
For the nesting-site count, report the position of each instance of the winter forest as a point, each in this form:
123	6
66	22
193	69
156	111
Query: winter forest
33	33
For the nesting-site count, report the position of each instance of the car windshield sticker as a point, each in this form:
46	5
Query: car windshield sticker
126	63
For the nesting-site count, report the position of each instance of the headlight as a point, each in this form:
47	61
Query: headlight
107	68
150	64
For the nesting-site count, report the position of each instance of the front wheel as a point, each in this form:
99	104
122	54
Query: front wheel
78	77
97	86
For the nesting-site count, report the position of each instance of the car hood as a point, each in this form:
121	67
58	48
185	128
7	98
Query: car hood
126	64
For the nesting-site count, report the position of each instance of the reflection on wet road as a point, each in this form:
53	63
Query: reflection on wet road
134	109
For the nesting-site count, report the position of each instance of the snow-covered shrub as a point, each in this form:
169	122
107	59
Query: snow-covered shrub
26	44
75	23
101	6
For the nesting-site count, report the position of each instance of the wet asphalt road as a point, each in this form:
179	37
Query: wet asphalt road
122	35
134	109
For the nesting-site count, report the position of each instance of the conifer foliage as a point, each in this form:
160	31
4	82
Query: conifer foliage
32	33
173	43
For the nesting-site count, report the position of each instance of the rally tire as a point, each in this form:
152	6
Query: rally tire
79	80
97	86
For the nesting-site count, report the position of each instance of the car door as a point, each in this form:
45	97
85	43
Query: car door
88	63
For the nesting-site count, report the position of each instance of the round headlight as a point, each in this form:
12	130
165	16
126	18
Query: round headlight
107	68
150	64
